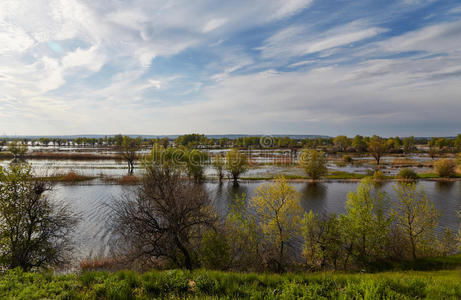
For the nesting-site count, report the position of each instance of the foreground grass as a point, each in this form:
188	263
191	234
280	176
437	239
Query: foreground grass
217	285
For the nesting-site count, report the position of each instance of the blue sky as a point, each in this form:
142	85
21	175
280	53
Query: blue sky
217	67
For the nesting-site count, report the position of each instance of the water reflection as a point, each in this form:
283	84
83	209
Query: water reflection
313	196
444	187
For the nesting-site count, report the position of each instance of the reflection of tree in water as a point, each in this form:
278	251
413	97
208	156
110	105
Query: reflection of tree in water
313	196
444	186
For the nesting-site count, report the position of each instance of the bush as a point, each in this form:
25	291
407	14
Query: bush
378	175
407	174
347	159
445	168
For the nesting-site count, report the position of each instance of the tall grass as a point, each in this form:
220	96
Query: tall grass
203	284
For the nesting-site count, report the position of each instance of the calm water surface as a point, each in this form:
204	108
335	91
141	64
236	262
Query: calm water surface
91	201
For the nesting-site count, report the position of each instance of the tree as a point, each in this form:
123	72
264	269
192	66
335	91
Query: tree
236	164
365	224
218	165
128	150
322	240
18	149
457	142
314	163
164	218
341	143
409	144
279	213
377	148
35	232
194	161
359	144
415	217
445	168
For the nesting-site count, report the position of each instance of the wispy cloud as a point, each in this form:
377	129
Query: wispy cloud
282	66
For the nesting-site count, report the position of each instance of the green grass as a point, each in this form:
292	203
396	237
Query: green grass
202	284
344	175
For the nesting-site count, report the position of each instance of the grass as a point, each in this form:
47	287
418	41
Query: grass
344	175
201	284
70	177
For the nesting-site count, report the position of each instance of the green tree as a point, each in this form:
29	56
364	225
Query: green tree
236	164
415	217
359	143
314	163
35	231
243	236
377	148
445	168
365	224
195	161
341	143
128	150
218	165
18	149
409	144
279	213
322	240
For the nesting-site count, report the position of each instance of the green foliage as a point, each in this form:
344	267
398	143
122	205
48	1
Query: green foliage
215	252
35	232
314	163
378	175
407	174
18	149
200	284
243	235
347	159
279	213
322	247
365	224
377	148
236	164
218	165
445	168
416	219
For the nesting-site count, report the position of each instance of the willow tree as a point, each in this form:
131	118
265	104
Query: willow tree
314	163
236	164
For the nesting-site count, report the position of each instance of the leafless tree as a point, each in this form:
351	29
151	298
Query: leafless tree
163	218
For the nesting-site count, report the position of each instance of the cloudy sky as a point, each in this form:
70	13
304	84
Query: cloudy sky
243	66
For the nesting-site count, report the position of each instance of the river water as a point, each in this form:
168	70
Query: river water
93	235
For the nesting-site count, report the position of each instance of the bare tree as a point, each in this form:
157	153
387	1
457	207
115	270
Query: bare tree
34	230
163	218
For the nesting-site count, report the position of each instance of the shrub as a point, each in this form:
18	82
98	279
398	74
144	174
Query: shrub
445	168
407	174
347	158
378	175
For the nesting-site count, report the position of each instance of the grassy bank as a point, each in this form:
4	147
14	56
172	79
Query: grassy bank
217	285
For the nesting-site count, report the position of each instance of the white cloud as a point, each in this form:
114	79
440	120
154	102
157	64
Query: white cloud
214	24
89	59
298	40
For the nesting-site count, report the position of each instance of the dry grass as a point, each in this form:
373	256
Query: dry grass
99	263
72	177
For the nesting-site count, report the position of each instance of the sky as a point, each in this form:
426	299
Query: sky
330	67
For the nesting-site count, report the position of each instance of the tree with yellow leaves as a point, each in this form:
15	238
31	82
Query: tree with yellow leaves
279	213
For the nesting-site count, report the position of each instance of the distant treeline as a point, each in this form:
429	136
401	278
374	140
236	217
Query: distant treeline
340	143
